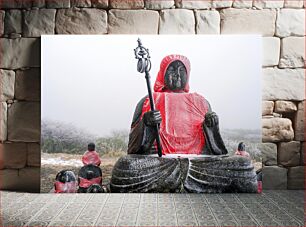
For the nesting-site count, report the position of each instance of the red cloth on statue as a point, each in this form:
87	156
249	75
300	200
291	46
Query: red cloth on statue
68	187
182	113
85	183
242	153
91	157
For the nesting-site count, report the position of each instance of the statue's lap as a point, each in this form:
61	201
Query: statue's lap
183	173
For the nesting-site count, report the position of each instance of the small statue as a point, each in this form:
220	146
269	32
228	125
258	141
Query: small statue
90	175
91	156
65	182
241	150
90	179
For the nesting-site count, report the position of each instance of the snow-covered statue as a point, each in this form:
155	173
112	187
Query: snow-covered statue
194	157
187	124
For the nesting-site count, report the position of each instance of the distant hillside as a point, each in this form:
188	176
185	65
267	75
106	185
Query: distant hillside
58	137
251	138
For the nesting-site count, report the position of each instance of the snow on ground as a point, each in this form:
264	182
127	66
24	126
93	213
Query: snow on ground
61	162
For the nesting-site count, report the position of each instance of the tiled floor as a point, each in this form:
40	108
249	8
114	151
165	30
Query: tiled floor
271	208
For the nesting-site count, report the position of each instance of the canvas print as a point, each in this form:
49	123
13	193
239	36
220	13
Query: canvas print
173	113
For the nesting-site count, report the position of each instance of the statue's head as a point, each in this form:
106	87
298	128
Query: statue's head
65	176
176	76
91	147
173	75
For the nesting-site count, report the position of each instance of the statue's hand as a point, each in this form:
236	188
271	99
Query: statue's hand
211	119
152	118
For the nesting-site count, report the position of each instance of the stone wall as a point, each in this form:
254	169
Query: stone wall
281	22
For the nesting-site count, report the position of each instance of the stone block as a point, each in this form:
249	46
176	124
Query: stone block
56	4
283	84
9	179
207	22
27	86
80	3
248	21
38	3
274	177
99	3
81	21
34	155
296	178
177	21
24	122
290	22
285	106
13	21
191	4
262	4
242	4
293	4
7	85
159	4
293	52
13	155
126	4
30	179
268	154
139	22
271	51
39	22
3	121
2	15
25	180
289	154
303	160
20	53
15	4
277	129
267	107
221	3
299	122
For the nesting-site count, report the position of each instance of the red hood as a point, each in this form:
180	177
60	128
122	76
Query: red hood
159	85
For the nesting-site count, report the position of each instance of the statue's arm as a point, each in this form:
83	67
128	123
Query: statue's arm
138	112
214	144
141	137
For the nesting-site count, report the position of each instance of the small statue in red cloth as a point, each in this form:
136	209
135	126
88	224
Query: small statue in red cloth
91	156
65	182
241	151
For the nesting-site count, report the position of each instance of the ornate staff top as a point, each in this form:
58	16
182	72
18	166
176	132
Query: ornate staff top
143	56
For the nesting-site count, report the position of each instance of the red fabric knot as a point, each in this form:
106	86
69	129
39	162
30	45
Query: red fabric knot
85	183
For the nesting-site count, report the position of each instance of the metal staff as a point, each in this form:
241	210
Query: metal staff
144	66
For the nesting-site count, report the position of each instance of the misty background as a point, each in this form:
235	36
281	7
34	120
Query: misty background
91	81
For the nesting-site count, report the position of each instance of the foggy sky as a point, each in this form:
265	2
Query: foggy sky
92	81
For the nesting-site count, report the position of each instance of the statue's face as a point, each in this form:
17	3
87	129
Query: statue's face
176	76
